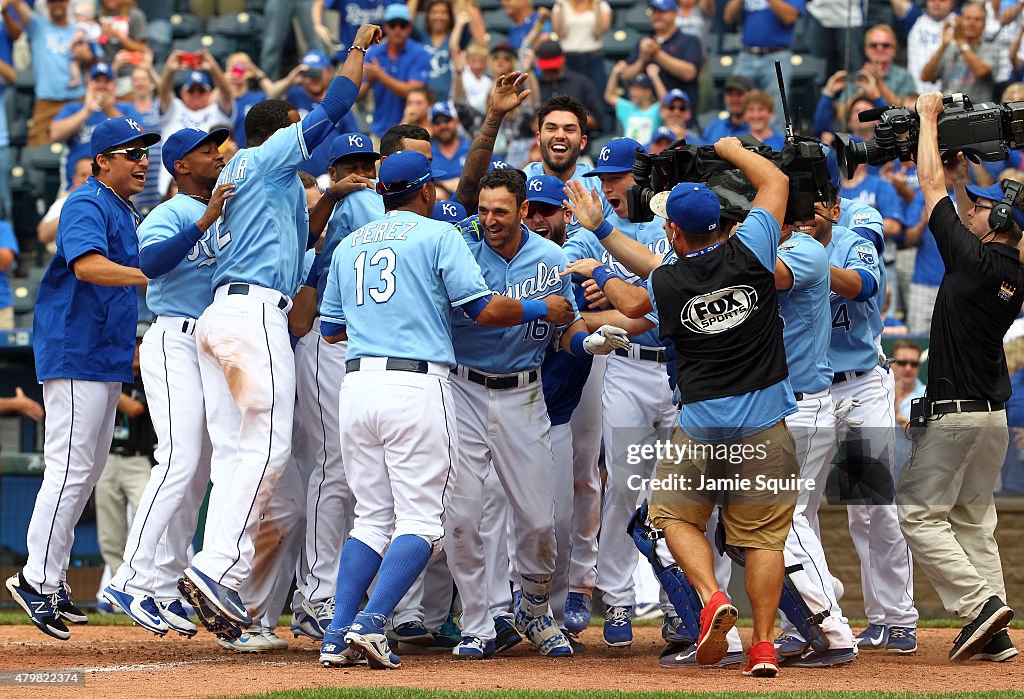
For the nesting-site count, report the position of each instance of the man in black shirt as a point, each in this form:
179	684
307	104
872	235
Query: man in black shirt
945	491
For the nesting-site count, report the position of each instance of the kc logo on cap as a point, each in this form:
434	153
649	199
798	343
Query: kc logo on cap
535	185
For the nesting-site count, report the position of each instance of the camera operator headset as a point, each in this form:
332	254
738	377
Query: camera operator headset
960	425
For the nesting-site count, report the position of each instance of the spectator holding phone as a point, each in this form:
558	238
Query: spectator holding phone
87	31
242	73
197	104
124	29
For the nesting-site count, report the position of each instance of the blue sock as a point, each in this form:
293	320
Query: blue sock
359	563
404	560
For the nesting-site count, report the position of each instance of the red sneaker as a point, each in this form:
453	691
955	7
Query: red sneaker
716	619
762	660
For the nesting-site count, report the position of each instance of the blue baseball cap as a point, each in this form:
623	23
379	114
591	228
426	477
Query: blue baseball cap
181	143
405	171
102	69
643	80
675	94
396	11
617	156
316	60
546	189
994	193
664	5
118	131
663	133
690	205
198	77
450	211
441	109
350	144
499	165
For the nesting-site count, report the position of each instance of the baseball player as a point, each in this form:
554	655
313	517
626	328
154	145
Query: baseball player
502	421
391	287
247	368
803	281
886	574
84	343
176	253
320	367
637	400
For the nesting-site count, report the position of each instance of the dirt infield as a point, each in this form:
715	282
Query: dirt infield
129	662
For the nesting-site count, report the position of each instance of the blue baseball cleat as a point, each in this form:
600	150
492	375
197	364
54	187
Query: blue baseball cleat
67	609
221	597
141	609
473	648
618	627
335	653
366	635
506	634
902	640
41	609
577	612
873	637
176	618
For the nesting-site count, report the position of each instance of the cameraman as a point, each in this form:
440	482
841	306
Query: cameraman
945	492
718	304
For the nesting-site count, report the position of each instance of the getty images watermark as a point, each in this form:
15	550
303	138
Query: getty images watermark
704	480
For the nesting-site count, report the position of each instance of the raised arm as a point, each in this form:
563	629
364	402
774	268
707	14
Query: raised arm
770	183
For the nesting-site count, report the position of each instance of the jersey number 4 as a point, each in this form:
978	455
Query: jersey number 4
384	261
841	319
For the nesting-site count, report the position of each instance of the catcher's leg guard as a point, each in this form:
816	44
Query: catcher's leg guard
791	603
680	593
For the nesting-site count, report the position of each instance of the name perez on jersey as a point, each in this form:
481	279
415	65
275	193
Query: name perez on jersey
710	314
382	231
547	278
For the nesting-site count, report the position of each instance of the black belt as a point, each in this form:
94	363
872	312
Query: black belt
243	290
944	407
842	376
765	50
416	366
500	382
645	354
799	396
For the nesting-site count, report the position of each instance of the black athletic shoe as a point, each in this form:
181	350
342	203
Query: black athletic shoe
999	649
67	609
994	617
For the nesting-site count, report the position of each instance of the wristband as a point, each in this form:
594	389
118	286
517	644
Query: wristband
533	310
604	230
576	345
601	275
356	48
330	194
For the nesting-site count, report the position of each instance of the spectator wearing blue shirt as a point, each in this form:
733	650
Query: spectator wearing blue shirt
677	115
394	67
50	40
759	112
9	31
448	148
528	25
767	37
678	55
351	14
732	123
928	269
75	122
9	252
874	190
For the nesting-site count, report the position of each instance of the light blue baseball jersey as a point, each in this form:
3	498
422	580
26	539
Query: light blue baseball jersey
394	281
533	273
261	236
805	314
536	169
866	221
585	244
852	345
354	211
187	289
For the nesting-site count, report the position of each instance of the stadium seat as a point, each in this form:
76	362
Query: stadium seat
731	43
182	5
618	43
239	25
185	25
497	20
721	67
45	157
487	5
17	128
638	17
616	5
494	38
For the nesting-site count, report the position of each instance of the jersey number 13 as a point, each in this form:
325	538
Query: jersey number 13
383	287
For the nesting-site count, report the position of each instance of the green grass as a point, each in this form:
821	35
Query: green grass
396	693
19	618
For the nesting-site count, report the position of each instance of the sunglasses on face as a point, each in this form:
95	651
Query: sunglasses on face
437	121
542	208
677	107
880	45
397	24
906	362
132	154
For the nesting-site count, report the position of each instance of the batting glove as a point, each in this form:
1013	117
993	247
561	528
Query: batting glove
843	408
606	340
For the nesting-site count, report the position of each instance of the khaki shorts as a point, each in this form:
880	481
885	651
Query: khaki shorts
755	479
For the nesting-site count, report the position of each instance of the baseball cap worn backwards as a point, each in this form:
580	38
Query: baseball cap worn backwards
690	205
546	189
182	142
616	156
118	131
449	211
403	172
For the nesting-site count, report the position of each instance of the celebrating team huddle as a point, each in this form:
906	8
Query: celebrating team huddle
431	393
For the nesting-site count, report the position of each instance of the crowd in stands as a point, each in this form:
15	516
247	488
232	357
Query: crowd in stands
654	70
